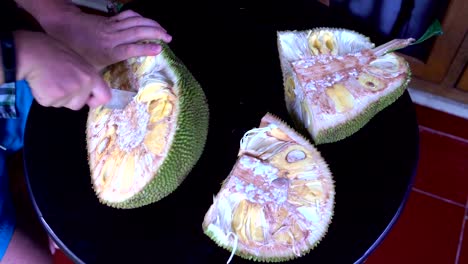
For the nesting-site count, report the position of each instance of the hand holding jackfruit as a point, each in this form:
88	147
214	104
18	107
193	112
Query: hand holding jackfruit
335	81
278	200
140	154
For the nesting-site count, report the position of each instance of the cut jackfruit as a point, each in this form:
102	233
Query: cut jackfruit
142	153
278	200
340	80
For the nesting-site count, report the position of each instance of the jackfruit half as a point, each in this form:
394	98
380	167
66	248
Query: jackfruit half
140	154
336	80
278	200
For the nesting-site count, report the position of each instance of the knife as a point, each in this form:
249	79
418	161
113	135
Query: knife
120	99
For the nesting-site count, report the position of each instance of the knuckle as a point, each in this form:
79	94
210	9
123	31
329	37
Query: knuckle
124	52
139	31
59	93
133	12
130	12
76	103
73	107
149	22
129	49
86	79
44	102
106	40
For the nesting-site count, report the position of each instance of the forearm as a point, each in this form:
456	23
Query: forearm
48	11
21	39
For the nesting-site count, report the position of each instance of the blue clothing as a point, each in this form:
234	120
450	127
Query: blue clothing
11	138
7	100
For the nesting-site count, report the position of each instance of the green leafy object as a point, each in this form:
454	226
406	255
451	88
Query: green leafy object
435	29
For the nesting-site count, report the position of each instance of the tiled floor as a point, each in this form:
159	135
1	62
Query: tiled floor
433	228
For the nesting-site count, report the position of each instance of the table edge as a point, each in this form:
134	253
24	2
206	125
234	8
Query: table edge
43	222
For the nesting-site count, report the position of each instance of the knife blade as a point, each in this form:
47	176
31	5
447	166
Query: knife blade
120	99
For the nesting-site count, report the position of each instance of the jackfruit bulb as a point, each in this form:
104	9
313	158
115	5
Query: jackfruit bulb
277	202
335	80
141	153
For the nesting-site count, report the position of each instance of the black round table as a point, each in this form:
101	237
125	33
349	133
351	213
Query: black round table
233	55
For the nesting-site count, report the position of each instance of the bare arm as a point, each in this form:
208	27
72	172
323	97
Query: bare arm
100	40
58	77
48	11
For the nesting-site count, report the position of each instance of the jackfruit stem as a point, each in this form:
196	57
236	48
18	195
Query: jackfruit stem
392	45
236	241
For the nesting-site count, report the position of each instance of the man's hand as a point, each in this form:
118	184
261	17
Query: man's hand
57	76
103	41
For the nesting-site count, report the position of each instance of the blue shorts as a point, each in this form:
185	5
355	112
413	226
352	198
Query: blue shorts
11	137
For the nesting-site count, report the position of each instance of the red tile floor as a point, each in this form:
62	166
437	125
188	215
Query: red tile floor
433	228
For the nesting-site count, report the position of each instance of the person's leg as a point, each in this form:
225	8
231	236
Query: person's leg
11	140
7	214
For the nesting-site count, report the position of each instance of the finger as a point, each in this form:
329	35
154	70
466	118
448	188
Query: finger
79	98
59	102
77	102
137	34
64	98
124	15
135	22
59	97
100	94
126	51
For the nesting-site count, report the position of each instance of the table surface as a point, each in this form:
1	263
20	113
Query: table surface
236	62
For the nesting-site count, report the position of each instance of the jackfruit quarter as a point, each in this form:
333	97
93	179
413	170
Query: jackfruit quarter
278	200
140	154
335	80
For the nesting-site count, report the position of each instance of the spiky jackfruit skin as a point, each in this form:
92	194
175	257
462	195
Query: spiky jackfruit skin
247	256
188	142
355	124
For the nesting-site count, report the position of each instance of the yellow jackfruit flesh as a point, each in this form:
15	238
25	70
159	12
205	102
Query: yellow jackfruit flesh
341	81
141	153
278	200
322	42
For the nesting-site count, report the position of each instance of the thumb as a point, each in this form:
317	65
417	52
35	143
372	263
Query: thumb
100	94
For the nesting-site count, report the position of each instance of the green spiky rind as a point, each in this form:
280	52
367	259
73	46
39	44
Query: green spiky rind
192	126
354	124
248	256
